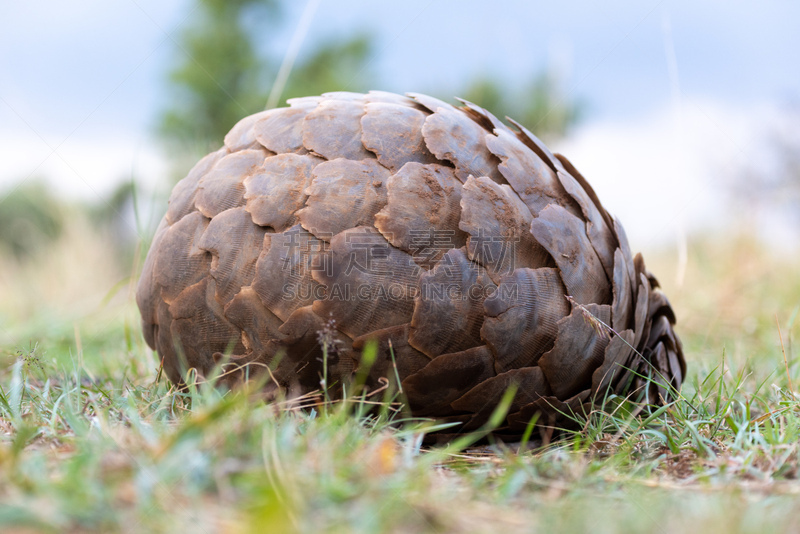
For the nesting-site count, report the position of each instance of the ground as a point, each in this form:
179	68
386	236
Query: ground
92	438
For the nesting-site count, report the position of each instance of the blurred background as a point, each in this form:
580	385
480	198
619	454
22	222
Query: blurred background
685	117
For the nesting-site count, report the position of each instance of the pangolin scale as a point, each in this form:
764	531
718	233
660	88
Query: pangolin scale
473	256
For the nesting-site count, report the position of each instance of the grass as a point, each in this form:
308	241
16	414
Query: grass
94	439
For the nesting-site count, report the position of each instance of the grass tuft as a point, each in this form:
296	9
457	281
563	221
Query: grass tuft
94	439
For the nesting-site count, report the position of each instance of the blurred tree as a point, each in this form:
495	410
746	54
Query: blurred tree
488	93
223	72
118	218
541	105
335	65
30	218
219	77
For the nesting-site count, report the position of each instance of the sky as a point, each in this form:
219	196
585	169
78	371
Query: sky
679	95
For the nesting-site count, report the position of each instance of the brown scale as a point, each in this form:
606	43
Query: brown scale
333	130
448	310
625	248
482	400
148	292
522	317
627	380
181	201
498	225
622	303
422	212
369	284
592	202
659	304
657	388
258	325
536	146
235	244
660	328
180	262
662	332
393	352
222	188
200	325
430	103
250	265
283	270
447	378
299	359
564	237
579	349
677	367
343	194
483	117
641	270
617	357
281	130
533	180
641	323
394	133
550	411
451	135
277	190
172	360
598	231
243	134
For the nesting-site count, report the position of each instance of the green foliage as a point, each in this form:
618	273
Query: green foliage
117	217
541	105
219	77
93	440
223	72
30	218
334	65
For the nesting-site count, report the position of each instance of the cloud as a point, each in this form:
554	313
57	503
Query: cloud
668	171
87	168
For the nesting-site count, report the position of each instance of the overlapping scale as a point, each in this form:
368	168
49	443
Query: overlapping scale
448	309
343	194
222	187
243	135
447	378
235	244
422	212
281	130
563	235
333	130
522	316
446	238
452	136
536	184
181	201
498	225
529	386
278	190
199	322
394	133
179	260
369	285
283	278
579	349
